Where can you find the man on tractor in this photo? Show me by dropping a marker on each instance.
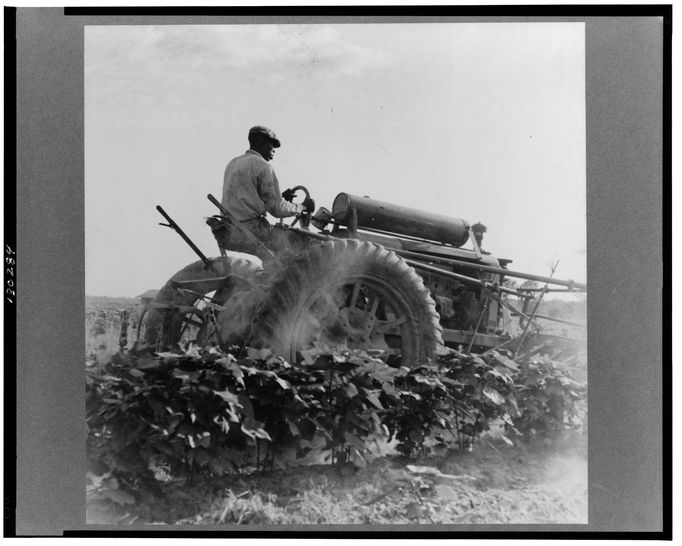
(250, 190)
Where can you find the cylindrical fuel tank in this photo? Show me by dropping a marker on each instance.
(374, 214)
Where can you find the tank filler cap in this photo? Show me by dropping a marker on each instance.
(479, 229)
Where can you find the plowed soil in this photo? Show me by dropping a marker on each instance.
(526, 484)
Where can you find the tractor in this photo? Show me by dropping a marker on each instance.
(386, 279)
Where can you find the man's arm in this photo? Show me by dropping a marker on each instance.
(272, 197)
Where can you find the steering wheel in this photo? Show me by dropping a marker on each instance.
(305, 216)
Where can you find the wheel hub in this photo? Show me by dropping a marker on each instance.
(357, 324)
(354, 328)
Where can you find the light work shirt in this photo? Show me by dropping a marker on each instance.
(250, 189)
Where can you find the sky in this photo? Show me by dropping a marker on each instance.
(481, 121)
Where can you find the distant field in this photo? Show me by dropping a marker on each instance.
(569, 310)
(103, 324)
(104, 302)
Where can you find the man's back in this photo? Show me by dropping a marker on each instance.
(251, 189)
(243, 178)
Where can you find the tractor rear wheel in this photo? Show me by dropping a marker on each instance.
(180, 312)
(349, 294)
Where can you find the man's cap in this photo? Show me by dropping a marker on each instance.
(264, 131)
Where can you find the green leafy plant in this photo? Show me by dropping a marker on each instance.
(158, 422)
(549, 399)
(460, 393)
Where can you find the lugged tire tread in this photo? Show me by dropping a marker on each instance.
(319, 261)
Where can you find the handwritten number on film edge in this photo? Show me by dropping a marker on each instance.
(10, 262)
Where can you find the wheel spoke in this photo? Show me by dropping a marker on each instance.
(193, 322)
(190, 321)
(311, 319)
(386, 325)
(375, 304)
(326, 301)
(356, 293)
(214, 301)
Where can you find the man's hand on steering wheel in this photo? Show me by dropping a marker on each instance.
(288, 195)
(309, 205)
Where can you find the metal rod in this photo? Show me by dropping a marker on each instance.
(492, 269)
(308, 233)
(514, 311)
(554, 319)
(532, 315)
(458, 276)
(474, 243)
(480, 319)
(239, 226)
(553, 290)
(444, 272)
(171, 224)
(139, 323)
(499, 346)
(195, 281)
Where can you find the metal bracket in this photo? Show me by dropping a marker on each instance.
(474, 242)
(353, 224)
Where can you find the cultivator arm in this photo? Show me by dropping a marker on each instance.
(493, 291)
(568, 285)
